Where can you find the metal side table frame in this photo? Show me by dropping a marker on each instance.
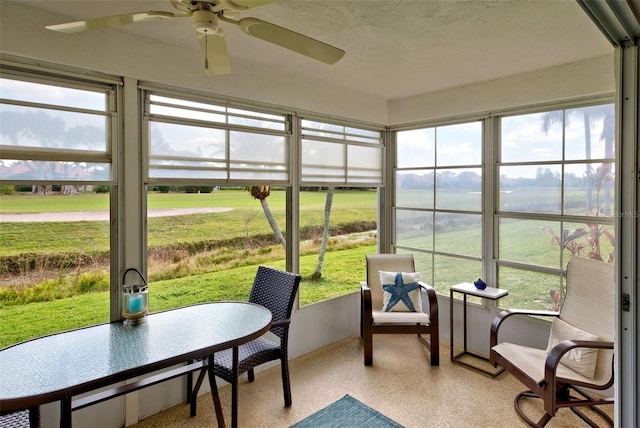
(468, 289)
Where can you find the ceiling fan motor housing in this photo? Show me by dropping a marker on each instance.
(204, 21)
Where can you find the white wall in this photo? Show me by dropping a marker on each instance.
(586, 79)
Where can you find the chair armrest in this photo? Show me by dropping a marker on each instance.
(433, 302)
(555, 355)
(557, 352)
(281, 323)
(502, 316)
(365, 296)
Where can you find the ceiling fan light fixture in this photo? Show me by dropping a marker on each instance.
(205, 22)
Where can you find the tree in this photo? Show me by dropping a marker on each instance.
(590, 115)
(262, 193)
(325, 234)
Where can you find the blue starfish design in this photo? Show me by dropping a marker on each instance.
(400, 291)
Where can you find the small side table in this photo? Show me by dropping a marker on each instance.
(466, 289)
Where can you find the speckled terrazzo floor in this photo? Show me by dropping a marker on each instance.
(401, 384)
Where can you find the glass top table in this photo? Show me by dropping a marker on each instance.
(60, 366)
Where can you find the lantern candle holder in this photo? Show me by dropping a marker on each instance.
(135, 300)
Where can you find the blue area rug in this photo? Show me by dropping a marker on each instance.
(347, 412)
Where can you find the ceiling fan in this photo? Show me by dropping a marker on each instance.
(205, 16)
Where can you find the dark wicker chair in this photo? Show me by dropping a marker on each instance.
(21, 418)
(375, 321)
(275, 290)
(587, 324)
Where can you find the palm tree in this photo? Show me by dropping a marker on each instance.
(262, 193)
(325, 234)
(589, 115)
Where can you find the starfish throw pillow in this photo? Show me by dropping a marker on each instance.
(401, 291)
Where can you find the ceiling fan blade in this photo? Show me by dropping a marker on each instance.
(112, 21)
(213, 48)
(250, 4)
(291, 40)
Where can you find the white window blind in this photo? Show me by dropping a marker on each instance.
(340, 155)
(202, 141)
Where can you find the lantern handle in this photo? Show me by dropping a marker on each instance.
(137, 271)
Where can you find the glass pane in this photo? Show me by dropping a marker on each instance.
(414, 189)
(351, 234)
(423, 263)
(321, 153)
(54, 242)
(452, 270)
(414, 229)
(257, 148)
(205, 243)
(44, 170)
(530, 290)
(187, 113)
(373, 135)
(365, 164)
(266, 116)
(54, 95)
(169, 140)
(459, 189)
(589, 189)
(38, 127)
(535, 242)
(590, 132)
(258, 175)
(255, 119)
(458, 234)
(459, 144)
(530, 188)
(187, 109)
(416, 148)
(591, 240)
(178, 172)
(531, 137)
(364, 157)
(309, 124)
(185, 103)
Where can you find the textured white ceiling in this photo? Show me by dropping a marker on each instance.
(395, 48)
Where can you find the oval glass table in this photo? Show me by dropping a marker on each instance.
(63, 365)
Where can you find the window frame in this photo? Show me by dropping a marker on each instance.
(491, 212)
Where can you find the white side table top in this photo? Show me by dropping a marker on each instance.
(488, 293)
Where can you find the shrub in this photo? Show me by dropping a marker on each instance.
(101, 189)
(6, 189)
(92, 282)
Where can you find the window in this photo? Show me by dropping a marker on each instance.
(556, 199)
(217, 181)
(56, 139)
(202, 141)
(341, 170)
(217, 205)
(438, 201)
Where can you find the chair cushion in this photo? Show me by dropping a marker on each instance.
(531, 362)
(401, 291)
(580, 360)
(381, 317)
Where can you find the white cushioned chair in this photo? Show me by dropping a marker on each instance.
(375, 320)
(579, 354)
